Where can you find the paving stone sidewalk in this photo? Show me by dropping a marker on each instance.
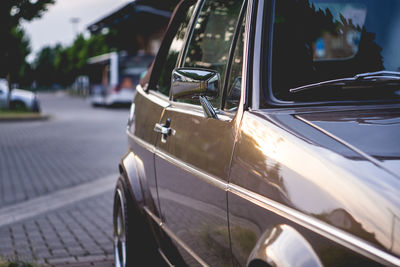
(76, 146)
(98, 261)
(80, 233)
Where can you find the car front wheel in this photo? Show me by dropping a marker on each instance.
(134, 245)
(120, 226)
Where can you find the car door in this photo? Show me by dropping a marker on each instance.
(150, 101)
(193, 156)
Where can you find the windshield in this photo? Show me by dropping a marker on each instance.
(321, 40)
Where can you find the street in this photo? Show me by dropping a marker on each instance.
(56, 183)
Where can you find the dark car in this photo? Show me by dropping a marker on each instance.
(267, 133)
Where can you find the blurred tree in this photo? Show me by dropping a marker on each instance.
(14, 46)
(44, 71)
(60, 65)
(19, 49)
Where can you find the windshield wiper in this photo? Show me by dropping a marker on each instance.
(375, 77)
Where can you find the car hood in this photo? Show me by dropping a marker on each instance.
(373, 134)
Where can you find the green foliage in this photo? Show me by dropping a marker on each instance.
(13, 11)
(15, 263)
(44, 65)
(61, 65)
(19, 49)
(14, 45)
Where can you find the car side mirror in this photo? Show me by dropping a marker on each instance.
(190, 83)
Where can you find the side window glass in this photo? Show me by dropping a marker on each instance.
(164, 82)
(235, 76)
(212, 36)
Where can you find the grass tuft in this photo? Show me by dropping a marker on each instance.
(16, 263)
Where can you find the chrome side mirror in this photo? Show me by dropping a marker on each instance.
(190, 82)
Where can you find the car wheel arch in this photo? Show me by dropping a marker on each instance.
(282, 245)
(258, 263)
(131, 169)
(18, 103)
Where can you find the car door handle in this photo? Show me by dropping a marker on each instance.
(161, 128)
(164, 129)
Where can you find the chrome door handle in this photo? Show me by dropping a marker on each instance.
(164, 129)
(160, 128)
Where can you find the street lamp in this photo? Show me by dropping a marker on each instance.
(75, 22)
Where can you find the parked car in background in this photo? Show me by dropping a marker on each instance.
(19, 100)
(266, 134)
(114, 77)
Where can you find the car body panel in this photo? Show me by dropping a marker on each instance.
(297, 184)
(121, 97)
(284, 246)
(28, 98)
(196, 209)
(142, 137)
(271, 162)
(252, 221)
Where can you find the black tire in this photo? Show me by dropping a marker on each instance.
(36, 106)
(133, 243)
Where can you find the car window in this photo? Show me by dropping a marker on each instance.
(235, 76)
(164, 82)
(211, 39)
(316, 41)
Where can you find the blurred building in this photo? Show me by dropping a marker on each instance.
(137, 26)
(136, 31)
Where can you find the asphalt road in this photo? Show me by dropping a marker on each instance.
(56, 183)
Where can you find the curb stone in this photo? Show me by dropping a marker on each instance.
(41, 117)
(93, 260)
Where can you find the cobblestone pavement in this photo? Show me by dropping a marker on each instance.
(76, 146)
(66, 236)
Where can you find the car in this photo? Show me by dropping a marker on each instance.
(114, 77)
(266, 133)
(19, 99)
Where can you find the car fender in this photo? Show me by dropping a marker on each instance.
(19, 98)
(282, 245)
(26, 97)
(132, 169)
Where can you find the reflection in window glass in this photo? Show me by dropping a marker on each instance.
(164, 83)
(344, 39)
(132, 68)
(212, 37)
(322, 40)
(235, 77)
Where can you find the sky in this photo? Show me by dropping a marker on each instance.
(55, 25)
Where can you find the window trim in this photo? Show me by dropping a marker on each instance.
(166, 43)
(243, 15)
(232, 49)
(189, 34)
(263, 83)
